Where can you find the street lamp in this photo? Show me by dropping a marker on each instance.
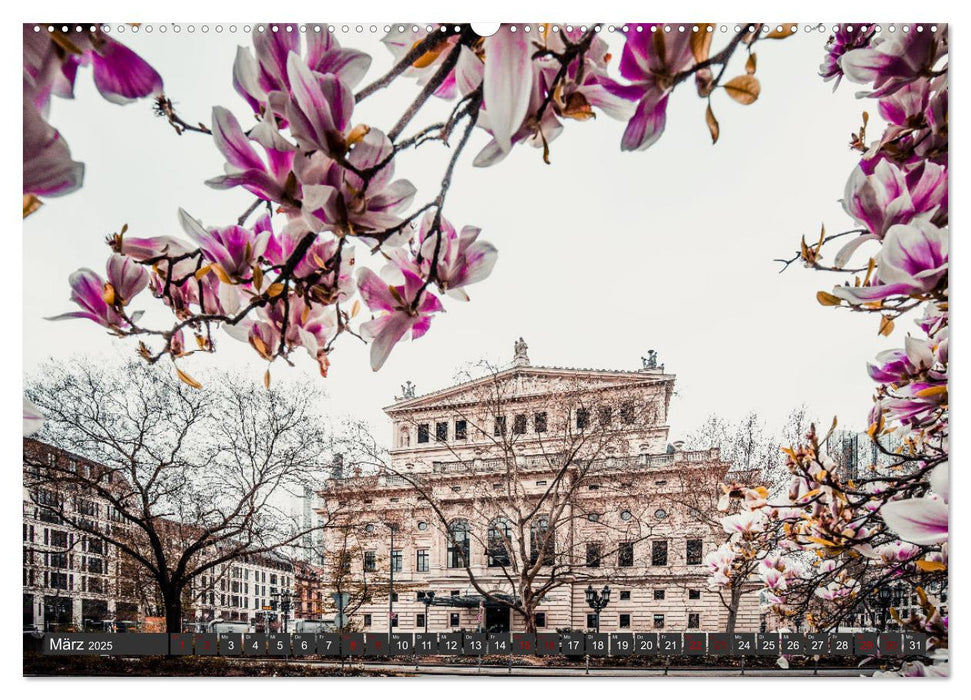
(884, 597)
(426, 597)
(598, 601)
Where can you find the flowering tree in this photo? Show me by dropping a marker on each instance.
(835, 538)
(282, 277)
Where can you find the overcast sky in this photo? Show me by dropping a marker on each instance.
(603, 254)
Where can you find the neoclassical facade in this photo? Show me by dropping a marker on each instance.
(528, 479)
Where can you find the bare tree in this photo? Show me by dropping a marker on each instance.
(193, 478)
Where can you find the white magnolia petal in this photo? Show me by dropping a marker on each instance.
(508, 79)
(917, 520)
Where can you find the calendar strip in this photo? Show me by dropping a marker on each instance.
(567, 644)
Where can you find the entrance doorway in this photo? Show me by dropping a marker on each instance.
(497, 618)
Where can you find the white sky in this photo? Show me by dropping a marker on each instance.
(603, 254)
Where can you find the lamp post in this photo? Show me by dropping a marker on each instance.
(427, 597)
(884, 596)
(598, 601)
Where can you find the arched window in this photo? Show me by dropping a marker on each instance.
(542, 538)
(458, 544)
(500, 532)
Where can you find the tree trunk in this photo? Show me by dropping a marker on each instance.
(733, 609)
(172, 599)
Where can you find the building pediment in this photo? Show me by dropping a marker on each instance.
(520, 382)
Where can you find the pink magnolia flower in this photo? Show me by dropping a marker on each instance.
(583, 88)
(744, 523)
(319, 109)
(142, 249)
(233, 248)
(912, 260)
(900, 366)
(310, 326)
(48, 167)
(407, 308)
(101, 300)
(890, 196)
(245, 168)
(258, 78)
(893, 60)
(119, 73)
(339, 200)
(507, 82)
(918, 520)
(846, 38)
(461, 258)
(50, 67)
(651, 61)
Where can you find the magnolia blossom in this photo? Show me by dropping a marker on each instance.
(744, 523)
(652, 61)
(51, 62)
(264, 80)
(405, 308)
(233, 248)
(922, 520)
(458, 258)
(888, 196)
(101, 300)
(337, 199)
(574, 93)
(295, 323)
(912, 260)
(845, 38)
(720, 562)
(893, 60)
(265, 178)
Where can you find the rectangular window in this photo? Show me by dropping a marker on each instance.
(370, 561)
(658, 594)
(59, 560)
(583, 418)
(659, 553)
(367, 619)
(396, 560)
(625, 621)
(441, 431)
(58, 538)
(420, 620)
(453, 620)
(625, 595)
(658, 622)
(461, 430)
(421, 560)
(694, 621)
(593, 554)
(423, 432)
(540, 618)
(625, 554)
(694, 595)
(693, 552)
(58, 580)
(519, 424)
(500, 426)
(627, 412)
(604, 414)
(539, 422)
